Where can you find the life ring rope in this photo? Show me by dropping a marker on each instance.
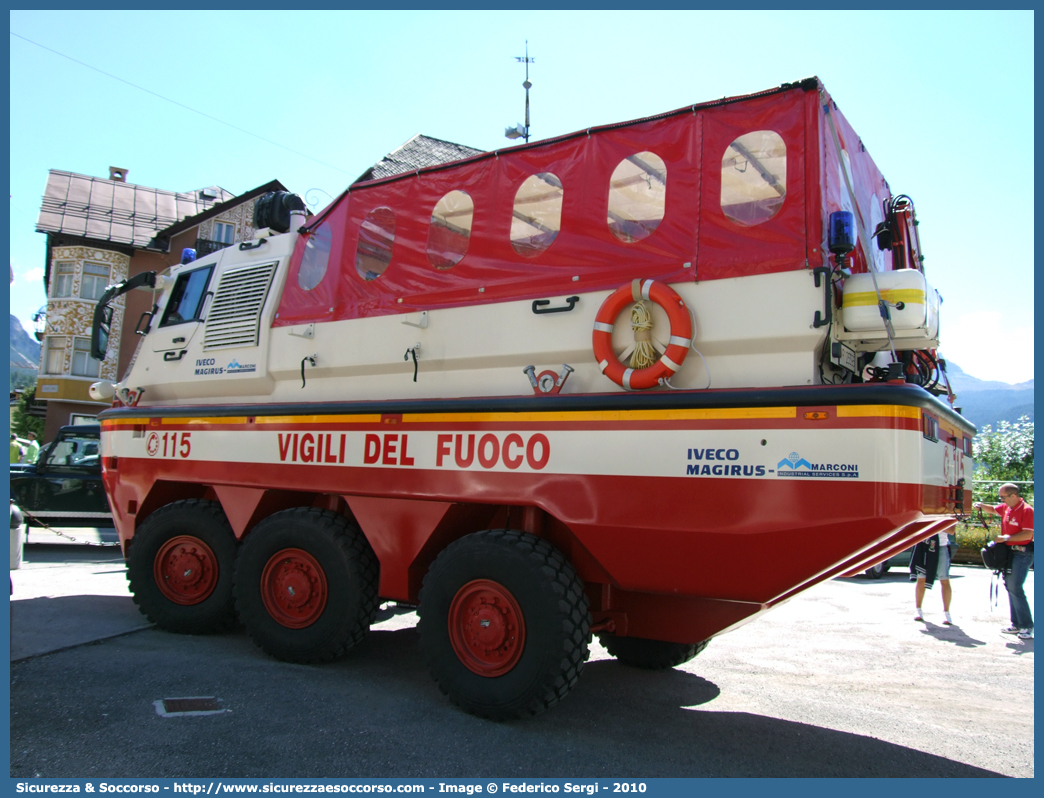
(644, 354)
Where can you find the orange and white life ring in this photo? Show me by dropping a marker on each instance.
(677, 347)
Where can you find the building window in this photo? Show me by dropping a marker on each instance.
(376, 242)
(450, 230)
(225, 233)
(754, 177)
(637, 196)
(54, 359)
(83, 365)
(537, 215)
(95, 280)
(63, 280)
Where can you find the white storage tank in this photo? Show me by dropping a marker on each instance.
(913, 303)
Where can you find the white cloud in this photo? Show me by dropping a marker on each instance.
(33, 275)
(987, 345)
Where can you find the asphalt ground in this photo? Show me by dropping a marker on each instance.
(840, 681)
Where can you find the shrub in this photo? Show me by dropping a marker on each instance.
(971, 535)
(1003, 455)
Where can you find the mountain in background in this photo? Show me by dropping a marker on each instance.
(989, 401)
(25, 354)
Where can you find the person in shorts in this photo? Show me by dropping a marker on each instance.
(931, 561)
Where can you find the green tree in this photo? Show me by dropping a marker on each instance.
(21, 422)
(1005, 454)
(22, 379)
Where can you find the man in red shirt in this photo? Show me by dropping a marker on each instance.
(1017, 533)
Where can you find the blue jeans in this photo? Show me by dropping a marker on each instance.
(1014, 582)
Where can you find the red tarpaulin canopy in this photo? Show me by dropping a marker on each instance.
(736, 187)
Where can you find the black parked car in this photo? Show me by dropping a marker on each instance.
(64, 486)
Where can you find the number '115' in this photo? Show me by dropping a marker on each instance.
(176, 449)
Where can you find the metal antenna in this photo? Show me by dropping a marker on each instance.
(520, 131)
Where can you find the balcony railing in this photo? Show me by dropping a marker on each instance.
(205, 246)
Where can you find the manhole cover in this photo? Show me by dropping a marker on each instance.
(197, 705)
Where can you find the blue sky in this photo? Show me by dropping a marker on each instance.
(942, 100)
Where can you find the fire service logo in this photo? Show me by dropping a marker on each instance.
(152, 444)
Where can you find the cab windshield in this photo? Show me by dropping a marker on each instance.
(186, 299)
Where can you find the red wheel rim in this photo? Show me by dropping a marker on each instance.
(486, 628)
(185, 570)
(293, 588)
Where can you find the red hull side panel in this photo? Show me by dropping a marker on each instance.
(646, 534)
(716, 514)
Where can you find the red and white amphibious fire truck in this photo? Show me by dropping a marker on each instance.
(647, 380)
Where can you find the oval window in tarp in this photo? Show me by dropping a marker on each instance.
(537, 214)
(376, 239)
(637, 195)
(450, 230)
(754, 177)
(316, 257)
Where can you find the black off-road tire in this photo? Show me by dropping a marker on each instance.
(206, 535)
(552, 604)
(322, 540)
(652, 655)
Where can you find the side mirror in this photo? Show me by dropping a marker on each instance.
(100, 331)
(103, 312)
